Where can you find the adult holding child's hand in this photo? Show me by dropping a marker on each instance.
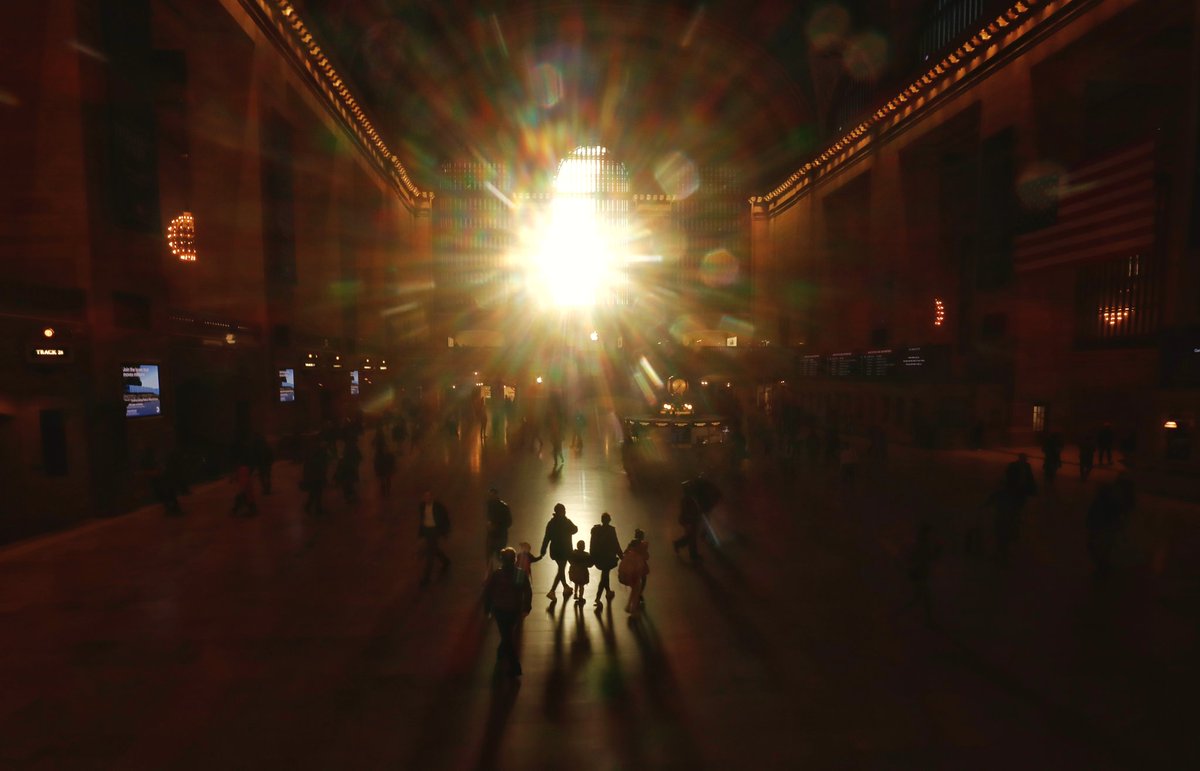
(558, 537)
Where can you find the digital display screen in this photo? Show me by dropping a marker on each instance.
(810, 365)
(142, 392)
(354, 382)
(287, 385)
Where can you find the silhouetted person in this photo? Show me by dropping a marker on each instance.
(313, 479)
(505, 596)
(525, 560)
(634, 570)
(556, 442)
(1087, 457)
(243, 501)
(263, 459)
(399, 433)
(346, 473)
(558, 537)
(1104, 444)
(689, 518)
(581, 575)
(577, 432)
(1052, 457)
(925, 552)
(385, 467)
(163, 483)
(605, 549)
(1009, 501)
(434, 525)
(1103, 521)
(499, 520)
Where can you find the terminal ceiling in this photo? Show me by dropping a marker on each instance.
(525, 81)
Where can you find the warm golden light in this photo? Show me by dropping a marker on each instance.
(1170, 424)
(575, 255)
(181, 237)
(48, 332)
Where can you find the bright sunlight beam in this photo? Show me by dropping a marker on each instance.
(576, 254)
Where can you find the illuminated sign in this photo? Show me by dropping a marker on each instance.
(48, 352)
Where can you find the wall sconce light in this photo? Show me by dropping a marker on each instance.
(181, 237)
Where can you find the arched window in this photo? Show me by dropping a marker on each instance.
(580, 254)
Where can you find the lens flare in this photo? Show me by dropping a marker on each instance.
(827, 27)
(865, 57)
(677, 175)
(546, 84)
(719, 268)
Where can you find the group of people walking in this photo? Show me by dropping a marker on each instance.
(508, 590)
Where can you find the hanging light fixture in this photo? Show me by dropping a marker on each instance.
(181, 237)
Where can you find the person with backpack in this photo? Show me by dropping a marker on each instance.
(606, 552)
(635, 568)
(505, 596)
(499, 520)
(558, 537)
(435, 524)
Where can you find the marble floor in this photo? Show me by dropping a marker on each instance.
(288, 641)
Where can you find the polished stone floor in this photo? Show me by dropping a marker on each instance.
(284, 641)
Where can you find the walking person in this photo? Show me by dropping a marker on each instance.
(1103, 521)
(499, 520)
(925, 552)
(505, 597)
(1009, 500)
(1052, 457)
(581, 575)
(264, 460)
(525, 560)
(313, 479)
(605, 549)
(243, 501)
(634, 570)
(435, 525)
(346, 474)
(558, 537)
(556, 441)
(1087, 457)
(689, 518)
(385, 466)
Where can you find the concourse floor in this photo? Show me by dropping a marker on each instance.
(290, 641)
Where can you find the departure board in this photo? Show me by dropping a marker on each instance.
(840, 364)
(877, 363)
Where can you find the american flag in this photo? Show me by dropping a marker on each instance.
(1105, 209)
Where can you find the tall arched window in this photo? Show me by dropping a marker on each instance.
(581, 249)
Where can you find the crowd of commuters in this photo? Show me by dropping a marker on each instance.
(336, 457)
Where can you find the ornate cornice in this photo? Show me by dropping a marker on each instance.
(1003, 32)
(280, 21)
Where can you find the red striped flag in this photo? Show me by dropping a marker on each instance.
(1105, 209)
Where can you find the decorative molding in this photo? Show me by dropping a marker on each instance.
(280, 21)
(1002, 33)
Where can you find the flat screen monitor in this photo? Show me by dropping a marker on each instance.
(287, 385)
(142, 393)
(354, 382)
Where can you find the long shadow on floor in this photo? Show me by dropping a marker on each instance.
(668, 723)
(504, 696)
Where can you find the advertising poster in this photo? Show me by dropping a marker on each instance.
(141, 390)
